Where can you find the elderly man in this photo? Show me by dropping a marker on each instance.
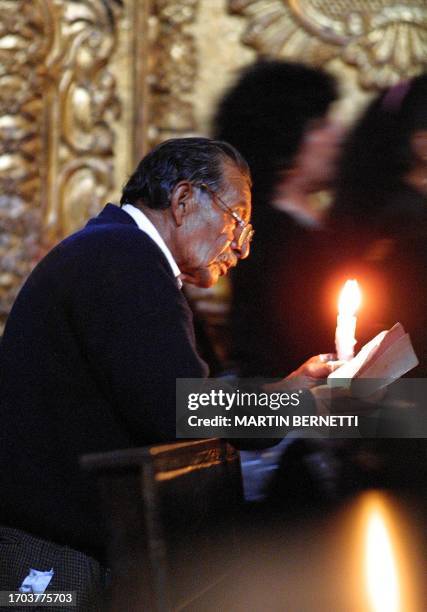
(101, 330)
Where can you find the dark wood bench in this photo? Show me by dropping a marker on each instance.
(170, 512)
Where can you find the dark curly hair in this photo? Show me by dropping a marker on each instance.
(265, 113)
(378, 154)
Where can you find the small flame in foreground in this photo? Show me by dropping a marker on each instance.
(350, 298)
(380, 565)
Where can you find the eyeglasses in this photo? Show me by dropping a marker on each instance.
(246, 230)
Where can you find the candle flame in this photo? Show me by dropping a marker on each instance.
(350, 298)
(380, 566)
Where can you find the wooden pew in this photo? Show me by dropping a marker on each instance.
(170, 512)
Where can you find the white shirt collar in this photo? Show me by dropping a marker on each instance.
(145, 225)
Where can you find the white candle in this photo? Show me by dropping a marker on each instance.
(348, 304)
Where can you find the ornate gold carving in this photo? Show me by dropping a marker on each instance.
(386, 40)
(57, 103)
(172, 70)
(24, 46)
(82, 104)
(388, 45)
(64, 146)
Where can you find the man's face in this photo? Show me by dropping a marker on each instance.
(207, 239)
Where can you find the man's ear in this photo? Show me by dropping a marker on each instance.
(181, 199)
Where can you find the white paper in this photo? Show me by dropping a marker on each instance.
(36, 581)
(380, 362)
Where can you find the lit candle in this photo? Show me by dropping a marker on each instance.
(348, 304)
(387, 547)
(379, 558)
(380, 566)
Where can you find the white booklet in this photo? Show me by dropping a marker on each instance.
(380, 362)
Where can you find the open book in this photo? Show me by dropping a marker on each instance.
(380, 362)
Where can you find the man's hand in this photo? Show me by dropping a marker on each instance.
(311, 372)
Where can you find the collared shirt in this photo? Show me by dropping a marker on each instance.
(145, 225)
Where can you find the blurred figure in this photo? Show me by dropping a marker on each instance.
(277, 116)
(380, 213)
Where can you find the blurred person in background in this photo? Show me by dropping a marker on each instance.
(379, 216)
(276, 114)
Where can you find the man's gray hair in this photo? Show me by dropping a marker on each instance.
(199, 160)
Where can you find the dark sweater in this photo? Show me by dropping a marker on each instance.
(90, 354)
